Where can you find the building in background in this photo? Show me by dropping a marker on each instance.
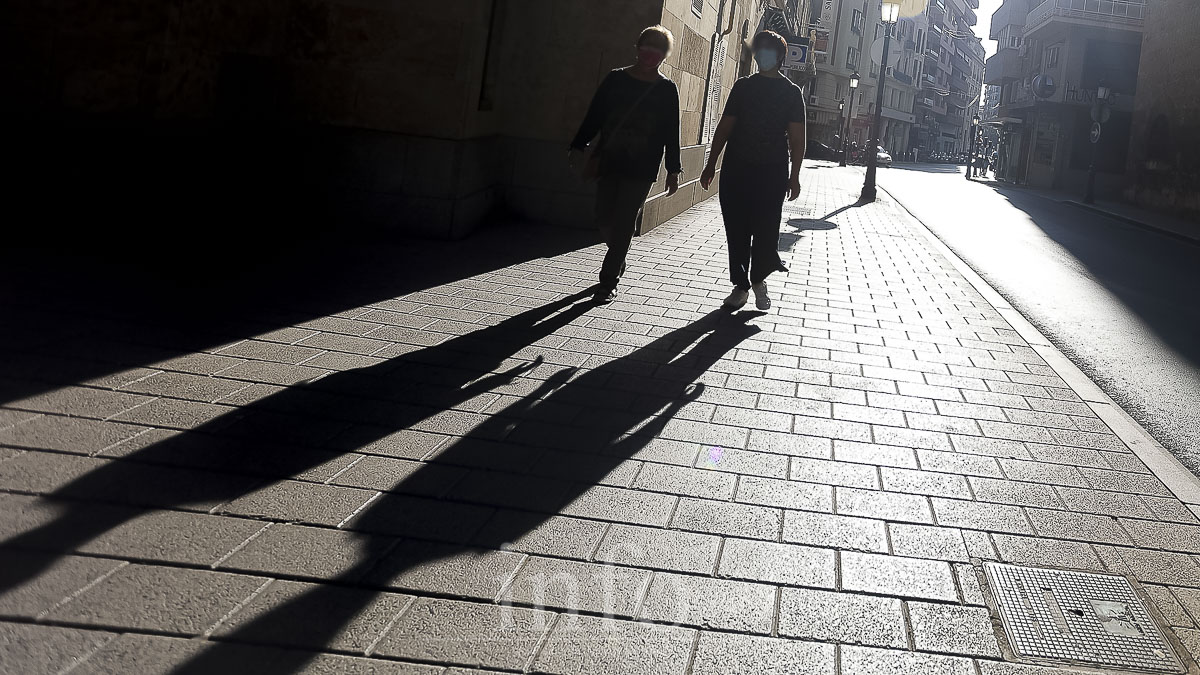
(842, 31)
(1051, 58)
(1164, 146)
(422, 117)
(951, 80)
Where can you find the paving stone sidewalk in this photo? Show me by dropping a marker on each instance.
(494, 474)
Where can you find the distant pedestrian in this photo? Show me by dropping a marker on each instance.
(635, 112)
(763, 120)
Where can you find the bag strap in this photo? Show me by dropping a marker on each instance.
(625, 117)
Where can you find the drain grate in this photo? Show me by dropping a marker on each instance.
(1078, 617)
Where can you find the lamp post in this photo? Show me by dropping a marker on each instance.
(971, 153)
(849, 112)
(1099, 117)
(890, 11)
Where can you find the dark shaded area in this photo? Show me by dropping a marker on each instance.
(599, 417)
(128, 262)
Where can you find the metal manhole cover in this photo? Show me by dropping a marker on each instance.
(1079, 617)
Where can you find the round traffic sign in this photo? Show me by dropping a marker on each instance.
(894, 52)
(1095, 132)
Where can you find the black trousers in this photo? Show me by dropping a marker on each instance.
(619, 202)
(752, 207)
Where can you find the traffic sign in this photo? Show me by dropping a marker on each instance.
(1095, 132)
(894, 52)
(797, 56)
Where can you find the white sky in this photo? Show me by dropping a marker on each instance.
(986, 7)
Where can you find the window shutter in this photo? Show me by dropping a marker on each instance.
(698, 7)
(712, 113)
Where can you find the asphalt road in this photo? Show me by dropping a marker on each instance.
(1122, 302)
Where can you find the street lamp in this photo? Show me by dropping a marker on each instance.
(849, 112)
(890, 12)
(1099, 117)
(971, 153)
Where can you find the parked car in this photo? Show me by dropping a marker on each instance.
(817, 150)
(882, 158)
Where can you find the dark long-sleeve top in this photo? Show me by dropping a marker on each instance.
(633, 140)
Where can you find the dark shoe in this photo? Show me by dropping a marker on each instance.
(604, 295)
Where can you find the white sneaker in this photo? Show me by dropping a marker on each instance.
(761, 299)
(736, 299)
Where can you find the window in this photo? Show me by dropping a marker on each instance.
(856, 22)
(1051, 57)
(1014, 41)
(877, 27)
(874, 70)
(851, 57)
(698, 7)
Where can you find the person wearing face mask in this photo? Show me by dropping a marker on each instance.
(763, 122)
(635, 112)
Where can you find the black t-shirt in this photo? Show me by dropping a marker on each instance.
(637, 121)
(763, 106)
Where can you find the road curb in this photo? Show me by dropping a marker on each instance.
(1178, 479)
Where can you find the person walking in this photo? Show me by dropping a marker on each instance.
(635, 112)
(763, 120)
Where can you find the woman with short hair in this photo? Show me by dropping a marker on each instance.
(762, 123)
(635, 111)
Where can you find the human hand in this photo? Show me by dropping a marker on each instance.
(793, 188)
(707, 176)
(672, 183)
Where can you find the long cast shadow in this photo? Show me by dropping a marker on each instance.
(598, 446)
(350, 410)
(291, 432)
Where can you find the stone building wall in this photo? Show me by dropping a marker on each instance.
(408, 115)
(1164, 149)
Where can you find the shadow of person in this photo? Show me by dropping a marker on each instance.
(288, 433)
(594, 446)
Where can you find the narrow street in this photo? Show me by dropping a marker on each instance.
(1119, 300)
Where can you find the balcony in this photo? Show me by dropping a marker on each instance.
(910, 45)
(970, 17)
(973, 4)
(933, 54)
(901, 77)
(1011, 13)
(935, 9)
(1106, 14)
(1004, 66)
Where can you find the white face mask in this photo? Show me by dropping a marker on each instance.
(767, 59)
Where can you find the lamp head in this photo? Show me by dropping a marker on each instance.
(1103, 92)
(854, 80)
(891, 11)
(975, 121)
